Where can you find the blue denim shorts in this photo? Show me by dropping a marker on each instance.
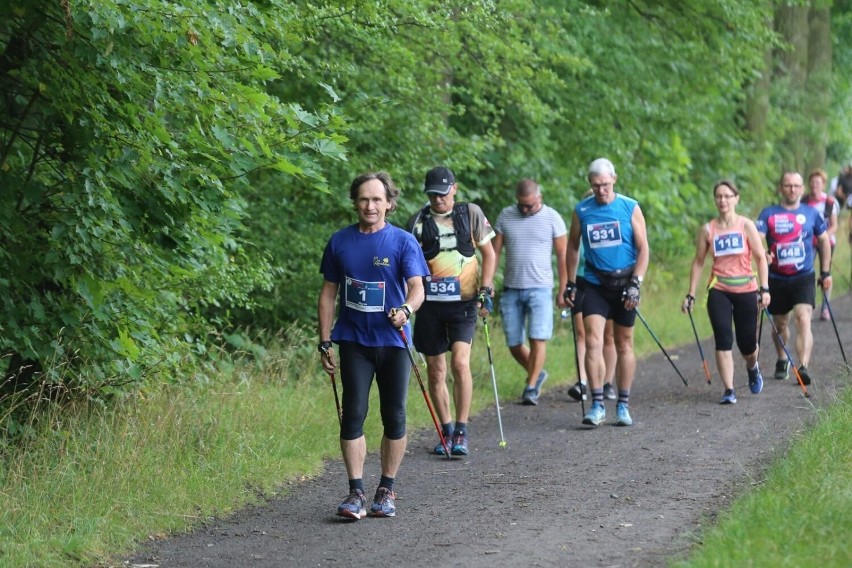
(527, 310)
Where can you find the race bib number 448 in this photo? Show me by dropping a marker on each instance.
(790, 254)
(365, 296)
(606, 234)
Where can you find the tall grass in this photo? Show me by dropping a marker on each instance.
(91, 481)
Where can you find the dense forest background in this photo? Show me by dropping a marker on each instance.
(170, 171)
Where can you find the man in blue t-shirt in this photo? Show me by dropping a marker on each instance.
(374, 272)
(790, 228)
(612, 230)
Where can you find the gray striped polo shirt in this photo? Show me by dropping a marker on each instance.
(528, 244)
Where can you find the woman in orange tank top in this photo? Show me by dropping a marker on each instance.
(733, 295)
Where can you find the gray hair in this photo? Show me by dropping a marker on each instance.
(601, 167)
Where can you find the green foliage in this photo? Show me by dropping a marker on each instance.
(175, 168)
(130, 134)
(510, 90)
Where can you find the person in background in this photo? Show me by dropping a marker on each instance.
(579, 391)
(374, 272)
(531, 232)
(450, 232)
(790, 229)
(829, 210)
(733, 292)
(612, 230)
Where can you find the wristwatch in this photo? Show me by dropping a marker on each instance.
(406, 309)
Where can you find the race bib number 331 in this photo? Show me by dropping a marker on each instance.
(606, 234)
(365, 296)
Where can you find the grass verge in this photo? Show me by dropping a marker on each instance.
(802, 514)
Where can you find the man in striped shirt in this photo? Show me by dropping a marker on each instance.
(531, 232)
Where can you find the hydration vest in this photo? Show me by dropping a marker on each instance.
(430, 237)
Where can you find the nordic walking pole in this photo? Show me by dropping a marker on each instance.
(700, 350)
(423, 390)
(833, 323)
(787, 353)
(334, 386)
(660, 345)
(577, 364)
(493, 380)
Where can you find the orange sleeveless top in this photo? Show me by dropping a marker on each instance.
(732, 271)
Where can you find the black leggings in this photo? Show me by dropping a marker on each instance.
(391, 367)
(742, 307)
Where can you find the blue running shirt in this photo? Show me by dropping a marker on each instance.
(371, 270)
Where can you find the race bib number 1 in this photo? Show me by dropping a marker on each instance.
(447, 289)
(604, 234)
(365, 296)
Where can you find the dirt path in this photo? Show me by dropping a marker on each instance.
(559, 495)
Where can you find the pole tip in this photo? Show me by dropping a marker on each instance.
(503, 444)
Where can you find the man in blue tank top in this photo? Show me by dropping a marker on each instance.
(612, 230)
(374, 272)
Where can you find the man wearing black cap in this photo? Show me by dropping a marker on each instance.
(450, 232)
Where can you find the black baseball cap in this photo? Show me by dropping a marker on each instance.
(439, 180)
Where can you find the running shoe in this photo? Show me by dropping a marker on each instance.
(730, 397)
(459, 445)
(596, 414)
(439, 448)
(354, 506)
(383, 503)
(530, 396)
(609, 392)
(542, 377)
(622, 415)
(755, 380)
(578, 391)
(803, 372)
(825, 315)
(782, 367)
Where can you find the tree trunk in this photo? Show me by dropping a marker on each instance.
(820, 85)
(791, 23)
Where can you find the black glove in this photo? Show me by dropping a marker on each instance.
(485, 299)
(570, 291)
(631, 292)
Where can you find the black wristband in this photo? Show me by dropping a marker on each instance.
(406, 310)
(823, 274)
(762, 290)
(324, 346)
(485, 290)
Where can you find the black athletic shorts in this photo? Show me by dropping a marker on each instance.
(440, 324)
(598, 301)
(786, 293)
